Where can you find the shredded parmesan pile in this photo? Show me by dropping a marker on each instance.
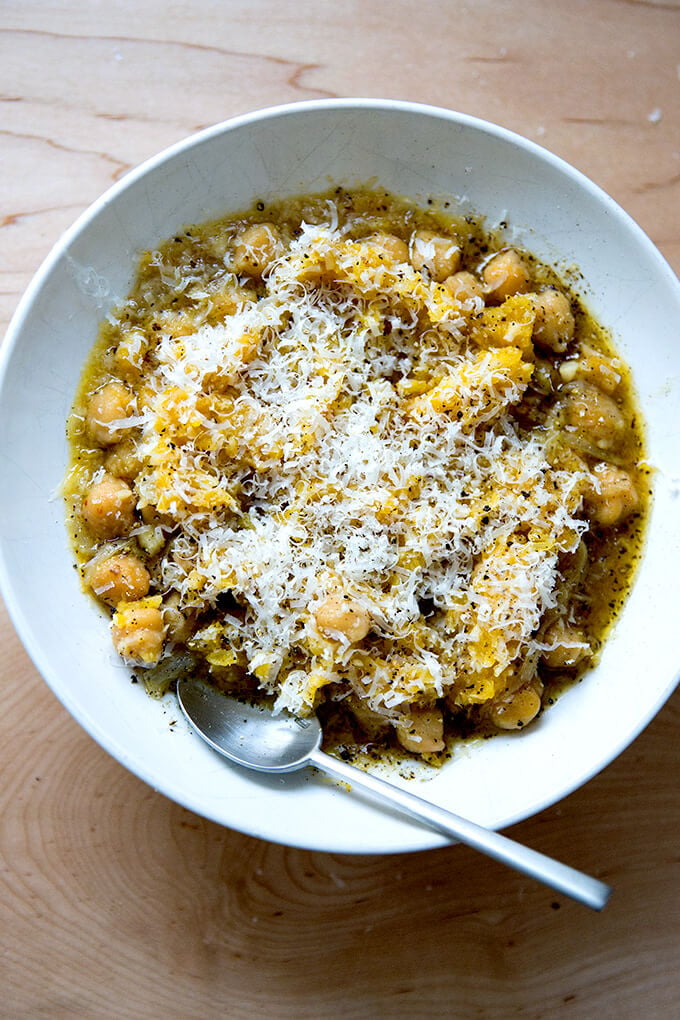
(350, 433)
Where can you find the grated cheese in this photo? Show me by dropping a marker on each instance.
(351, 432)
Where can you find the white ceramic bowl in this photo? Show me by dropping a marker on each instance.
(412, 150)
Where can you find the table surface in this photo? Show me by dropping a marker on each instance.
(115, 902)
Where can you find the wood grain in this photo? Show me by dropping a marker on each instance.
(115, 902)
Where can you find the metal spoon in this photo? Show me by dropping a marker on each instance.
(254, 737)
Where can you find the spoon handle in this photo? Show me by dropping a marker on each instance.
(587, 890)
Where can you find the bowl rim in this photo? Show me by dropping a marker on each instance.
(13, 333)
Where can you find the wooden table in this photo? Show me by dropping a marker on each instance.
(114, 901)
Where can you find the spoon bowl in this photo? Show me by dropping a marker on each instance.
(252, 736)
(247, 734)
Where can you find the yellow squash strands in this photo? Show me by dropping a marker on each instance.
(337, 483)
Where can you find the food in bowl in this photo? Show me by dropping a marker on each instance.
(364, 457)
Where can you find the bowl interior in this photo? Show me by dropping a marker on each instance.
(414, 151)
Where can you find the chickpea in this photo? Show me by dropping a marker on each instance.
(108, 508)
(421, 730)
(341, 614)
(178, 622)
(174, 323)
(138, 630)
(593, 367)
(151, 539)
(504, 275)
(118, 578)
(517, 709)
(129, 354)
(150, 515)
(322, 268)
(603, 372)
(593, 414)
(554, 323)
(106, 409)
(122, 460)
(392, 246)
(612, 497)
(255, 248)
(567, 645)
(438, 254)
(373, 724)
(226, 302)
(464, 286)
